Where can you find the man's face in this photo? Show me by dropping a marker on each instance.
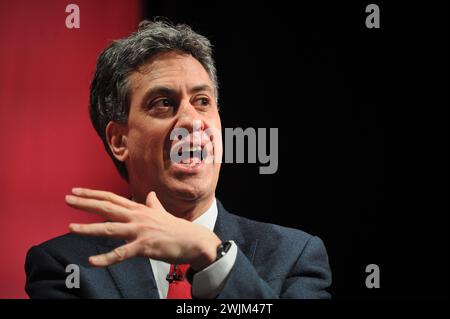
(171, 91)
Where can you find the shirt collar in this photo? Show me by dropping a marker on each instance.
(208, 218)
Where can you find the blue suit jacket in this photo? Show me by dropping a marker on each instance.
(272, 262)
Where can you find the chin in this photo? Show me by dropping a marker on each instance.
(189, 185)
(190, 193)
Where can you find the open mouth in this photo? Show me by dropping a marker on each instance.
(191, 156)
(188, 156)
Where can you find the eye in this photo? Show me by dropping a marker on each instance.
(202, 102)
(161, 107)
(161, 103)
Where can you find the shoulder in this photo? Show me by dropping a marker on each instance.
(269, 231)
(277, 250)
(269, 234)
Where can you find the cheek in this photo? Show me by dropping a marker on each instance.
(146, 143)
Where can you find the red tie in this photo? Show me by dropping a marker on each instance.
(179, 287)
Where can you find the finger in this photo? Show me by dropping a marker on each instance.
(103, 208)
(107, 229)
(118, 254)
(103, 195)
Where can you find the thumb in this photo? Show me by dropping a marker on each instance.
(152, 201)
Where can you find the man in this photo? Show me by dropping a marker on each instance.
(172, 238)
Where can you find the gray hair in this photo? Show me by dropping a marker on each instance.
(110, 91)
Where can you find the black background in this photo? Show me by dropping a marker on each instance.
(362, 118)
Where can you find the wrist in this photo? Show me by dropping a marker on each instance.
(207, 253)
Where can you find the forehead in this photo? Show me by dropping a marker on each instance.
(172, 69)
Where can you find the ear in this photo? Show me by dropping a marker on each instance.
(116, 136)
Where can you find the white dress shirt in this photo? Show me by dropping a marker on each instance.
(209, 282)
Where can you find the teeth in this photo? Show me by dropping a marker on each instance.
(190, 156)
(195, 149)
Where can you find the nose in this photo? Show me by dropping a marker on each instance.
(189, 119)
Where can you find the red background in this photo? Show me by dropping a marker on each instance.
(47, 142)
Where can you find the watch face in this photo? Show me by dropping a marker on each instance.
(223, 249)
(227, 246)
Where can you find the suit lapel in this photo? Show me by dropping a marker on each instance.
(133, 277)
(228, 228)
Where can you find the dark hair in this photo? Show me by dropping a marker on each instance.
(110, 92)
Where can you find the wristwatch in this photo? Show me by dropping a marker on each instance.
(222, 249)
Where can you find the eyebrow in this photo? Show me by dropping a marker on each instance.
(164, 90)
(200, 88)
